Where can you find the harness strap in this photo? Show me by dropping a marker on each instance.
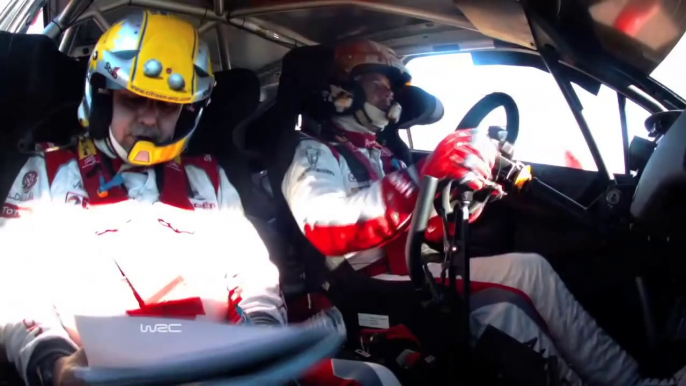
(358, 162)
(175, 186)
(105, 187)
(207, 163)
(96, 174)
(55, 159)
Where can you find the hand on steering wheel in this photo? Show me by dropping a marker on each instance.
(468, 158)
(463, 156)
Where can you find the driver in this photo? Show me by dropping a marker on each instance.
(126, 224)
(358, 219)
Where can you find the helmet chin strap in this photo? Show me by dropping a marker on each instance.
(375, 119)
(112, 148)
(118, 148)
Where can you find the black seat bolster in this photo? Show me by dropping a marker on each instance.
(234, 98)
(40, 89)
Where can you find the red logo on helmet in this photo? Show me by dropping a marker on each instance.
(112, 71)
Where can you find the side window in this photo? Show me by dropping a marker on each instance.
(21, 16)
(636, 117)
(37, 25)
(548, 132)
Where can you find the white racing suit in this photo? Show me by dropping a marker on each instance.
(519, 294)
(175, 244)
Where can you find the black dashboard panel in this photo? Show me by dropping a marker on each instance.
(660, 198)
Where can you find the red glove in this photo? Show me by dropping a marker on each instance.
(464, 156)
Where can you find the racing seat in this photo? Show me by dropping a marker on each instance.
(306, 71)
(234, 101)
(235, 96)
(272, 135)
(41, 88)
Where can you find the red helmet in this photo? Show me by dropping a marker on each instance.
(360, 57)
(364, 56)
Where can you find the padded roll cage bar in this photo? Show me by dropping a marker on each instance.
(217, 18)
(80, 11)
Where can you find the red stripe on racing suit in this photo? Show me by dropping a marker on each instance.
(316, 188)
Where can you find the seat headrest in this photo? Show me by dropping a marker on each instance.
(304, 71)
(419, 107)
(307, 71)
(235, 96)
(41, 89)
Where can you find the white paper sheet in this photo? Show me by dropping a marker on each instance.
(130, 342)
(136, 350)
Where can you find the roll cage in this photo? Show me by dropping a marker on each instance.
(255, 34)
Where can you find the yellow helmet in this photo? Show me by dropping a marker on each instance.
(156, 56)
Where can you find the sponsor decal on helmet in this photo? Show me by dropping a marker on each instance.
(29, 180)
(111, 70)
(151, 94)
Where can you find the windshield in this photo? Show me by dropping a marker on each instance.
(671, 71)
(548, 132)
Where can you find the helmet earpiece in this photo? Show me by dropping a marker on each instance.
(346, 96)
(341, 99)
(394, 112)
(351, 100)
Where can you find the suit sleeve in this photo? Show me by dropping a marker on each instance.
(336, 222)
(31, 333)
(252, 279)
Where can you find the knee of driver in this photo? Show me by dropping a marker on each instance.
(535, 263)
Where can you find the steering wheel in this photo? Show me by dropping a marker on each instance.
(420, 276)
(485, 106)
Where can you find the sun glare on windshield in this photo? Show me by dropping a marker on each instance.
(548, 132)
